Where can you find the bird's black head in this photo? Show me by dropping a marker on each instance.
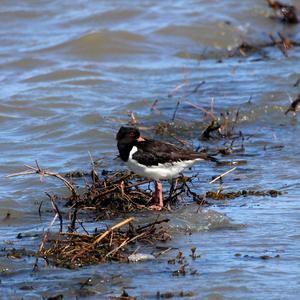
(128, 134)
(127, 137)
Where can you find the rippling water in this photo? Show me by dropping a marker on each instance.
(70, 73)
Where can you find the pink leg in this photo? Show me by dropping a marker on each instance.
(160, 193)
(158, 197)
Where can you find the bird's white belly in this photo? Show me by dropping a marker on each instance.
(161, 171)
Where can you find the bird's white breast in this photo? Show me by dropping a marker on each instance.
(161, 171)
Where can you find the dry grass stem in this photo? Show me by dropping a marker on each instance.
(209, 113)
(222, 175)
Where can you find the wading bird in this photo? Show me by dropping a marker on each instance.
(154, 159)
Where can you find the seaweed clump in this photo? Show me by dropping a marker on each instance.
(220, 195)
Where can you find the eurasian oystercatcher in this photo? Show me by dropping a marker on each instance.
(154, 159)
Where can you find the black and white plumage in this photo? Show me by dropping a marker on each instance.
(154, 159)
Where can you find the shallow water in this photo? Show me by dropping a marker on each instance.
(71, 72)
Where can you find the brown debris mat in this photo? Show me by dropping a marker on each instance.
(73, 250)
(111, 194)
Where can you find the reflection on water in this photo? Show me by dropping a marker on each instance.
(71, 71)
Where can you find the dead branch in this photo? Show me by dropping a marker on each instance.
(43, 173)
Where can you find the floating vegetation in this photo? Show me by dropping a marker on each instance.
(19, 253)
(263, 257)
(220, 195)
(169, 295)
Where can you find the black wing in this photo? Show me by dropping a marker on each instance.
(152, 152)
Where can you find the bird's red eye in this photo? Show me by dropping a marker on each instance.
(131, 134)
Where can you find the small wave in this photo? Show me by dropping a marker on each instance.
(111, 16)
(192, 219)
(60, 75)
(96, 45)
(217, 35)
(27, 63)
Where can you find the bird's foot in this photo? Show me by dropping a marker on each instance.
(155, 207)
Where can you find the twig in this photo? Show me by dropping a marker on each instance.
(201, 108)
(43, 172)
(235, 120)
(286, 43)
(102, 236)
(138, 183)
(77, 234)
(73, 217)
(40, 209)
(177, 88)
(94, 172)
(153, 106)
(41, 246)
(175, 111)
(279, 46)
(133, 121)
(55, 207)
(222, 175)
(107, 232)
(152, 224)
(163, 252)
(127, 241)
(195, 90)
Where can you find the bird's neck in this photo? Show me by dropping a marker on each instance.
(124, 150)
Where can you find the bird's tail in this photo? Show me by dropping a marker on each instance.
(211, 158)
(205, 156)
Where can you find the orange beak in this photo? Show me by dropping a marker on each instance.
(141, 139)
